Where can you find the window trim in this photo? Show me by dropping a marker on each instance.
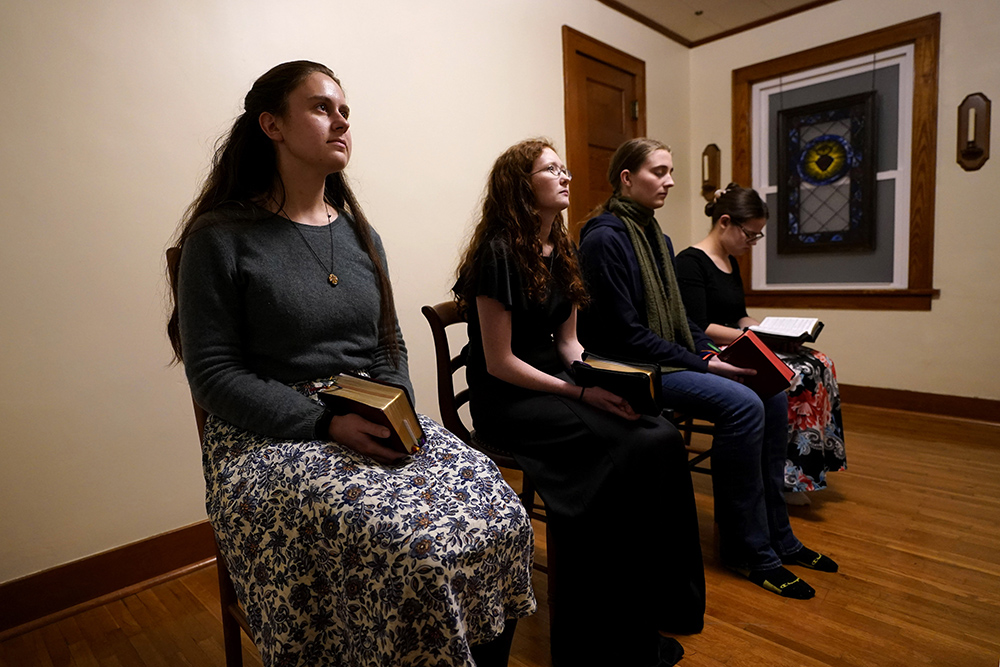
(924, 35)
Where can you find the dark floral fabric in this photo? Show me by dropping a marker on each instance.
(342, 561)
(815, 426)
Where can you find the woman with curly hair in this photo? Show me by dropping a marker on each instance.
(613, 482)
(342, 550)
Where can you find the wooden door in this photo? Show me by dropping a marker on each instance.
(605, 106)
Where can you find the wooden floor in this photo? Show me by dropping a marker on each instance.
(914, 524)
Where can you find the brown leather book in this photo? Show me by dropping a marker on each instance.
(380, 403)
(748, 351)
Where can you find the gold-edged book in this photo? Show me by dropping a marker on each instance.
(378, 402)
(637, 383)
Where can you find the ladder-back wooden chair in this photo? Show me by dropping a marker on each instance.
(234, 619)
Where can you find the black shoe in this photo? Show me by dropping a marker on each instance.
(780, 581)
(670, 652)
(811, 559)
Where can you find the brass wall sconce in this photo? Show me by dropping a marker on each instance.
(974, 131)
(711, 168)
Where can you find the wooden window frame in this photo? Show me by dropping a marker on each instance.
(924, 33)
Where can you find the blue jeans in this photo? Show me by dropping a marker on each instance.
(748, 461)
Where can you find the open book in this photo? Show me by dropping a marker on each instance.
(378, 402)
(637, 383)
(785, 334)
(748, 351)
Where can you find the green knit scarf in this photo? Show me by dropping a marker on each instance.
(665, 314)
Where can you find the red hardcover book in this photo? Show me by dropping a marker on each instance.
(748, 351)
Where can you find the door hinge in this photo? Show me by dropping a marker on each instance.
(635, 109)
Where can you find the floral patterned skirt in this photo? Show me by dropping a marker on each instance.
(815, 426)
(342, 561)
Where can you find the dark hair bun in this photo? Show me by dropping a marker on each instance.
(740, 204)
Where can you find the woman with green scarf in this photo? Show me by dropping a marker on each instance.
(636, 312)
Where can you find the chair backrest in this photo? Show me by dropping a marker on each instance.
(173, 257)
(440, 317)
(234, 619)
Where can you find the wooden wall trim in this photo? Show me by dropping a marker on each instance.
(896, 299)
(759, 22)
(646, 21)
(52, 591)
(684, 41)
(962, 407)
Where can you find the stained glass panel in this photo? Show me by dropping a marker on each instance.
(826, 176)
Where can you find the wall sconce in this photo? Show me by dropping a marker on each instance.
(711, 166)
(974, 131)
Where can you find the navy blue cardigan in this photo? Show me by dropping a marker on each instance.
(614, 323)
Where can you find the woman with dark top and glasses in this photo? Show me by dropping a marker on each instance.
(342, 550)
(624, 549)
(710, 283)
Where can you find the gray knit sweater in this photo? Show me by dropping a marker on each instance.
(257, 314)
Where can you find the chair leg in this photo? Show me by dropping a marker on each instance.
(231, 632)
(550, 551)
(527, 494)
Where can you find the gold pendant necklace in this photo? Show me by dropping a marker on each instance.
(331, 277)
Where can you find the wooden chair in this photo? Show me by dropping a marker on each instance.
(234, 619)
(687, 425)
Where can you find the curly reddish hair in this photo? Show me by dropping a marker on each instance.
(509, 213)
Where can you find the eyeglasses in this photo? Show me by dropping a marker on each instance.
(558, 172)
(751, 236)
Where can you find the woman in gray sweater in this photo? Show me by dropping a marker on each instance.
(343, 551)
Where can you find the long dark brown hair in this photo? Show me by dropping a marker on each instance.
(245, 172)
(509, 213)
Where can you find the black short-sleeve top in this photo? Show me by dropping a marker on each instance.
(532, 323)
(711, 296)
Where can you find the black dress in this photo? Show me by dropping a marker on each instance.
(617, 493)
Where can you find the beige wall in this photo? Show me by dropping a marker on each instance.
(109, 111)
(949, 349)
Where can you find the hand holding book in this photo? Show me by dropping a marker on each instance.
(787, 334)
(637, 383)
(365, 437)
(772, 375)
(369, 411)
(728, 370)
(602, 399)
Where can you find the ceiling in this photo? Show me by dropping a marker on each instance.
(695, 22)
